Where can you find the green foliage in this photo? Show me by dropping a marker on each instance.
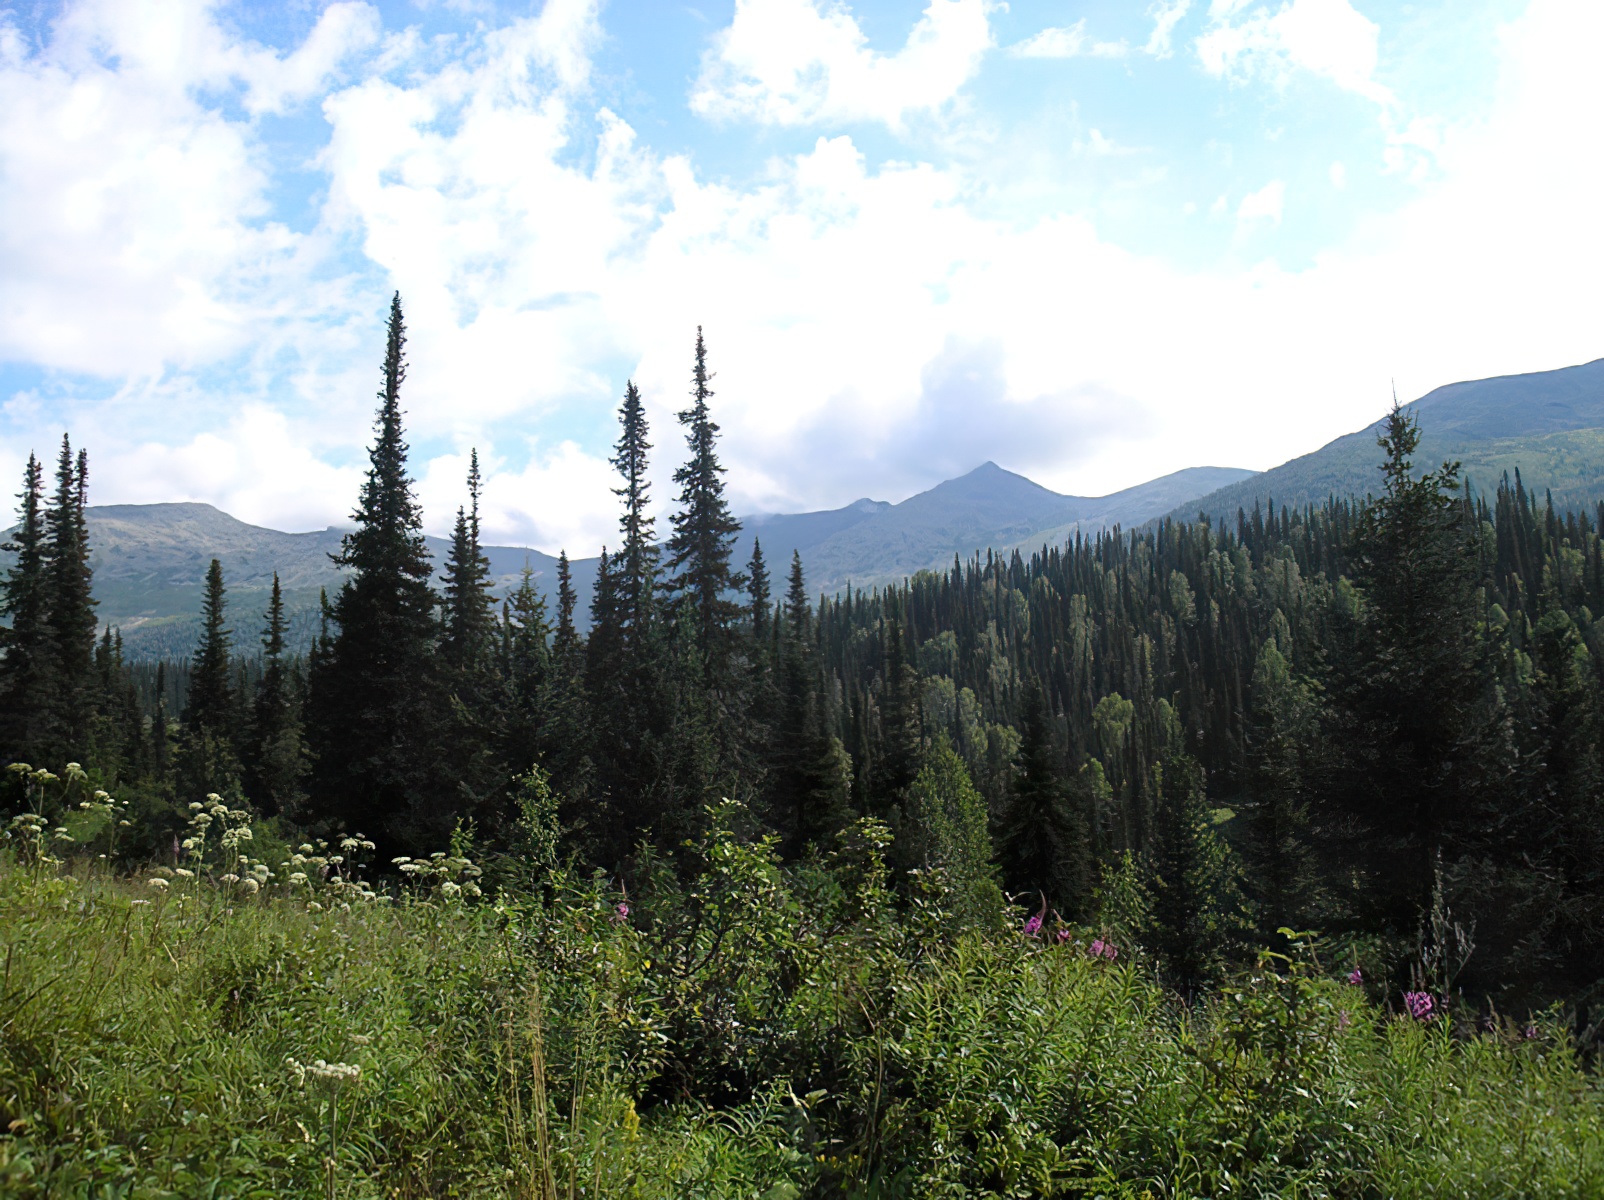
(237, 1028)
(944, 828)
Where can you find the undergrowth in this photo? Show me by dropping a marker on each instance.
(230, 1027)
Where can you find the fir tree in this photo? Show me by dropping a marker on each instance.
(1414, 706)
(1196, 914)
(704, 532)
(566, 644)
(635, 565)
(71, 610)
(211, 696)
(373, 696)
(278, 752)
(1046, 853)
(757, 594)
(469, 612)
(26, 669)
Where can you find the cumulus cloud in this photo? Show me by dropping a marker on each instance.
(130, 190)
(802, 62)
(1069, 41)
(1329, 38)
(873, 329)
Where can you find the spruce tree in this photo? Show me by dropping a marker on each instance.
(1046, 844)
(635, 566)
(27, 666)
(757, 595)
(566, 643)
(278, 752)
(1414, 707)
(1193, 880)
(807, 789)
(211, 695)
(71, 610)
(469, 622)
(373, 696)
(704, 533)
(1280, 741)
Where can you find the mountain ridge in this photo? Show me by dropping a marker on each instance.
(1547, 424)
(150, 560)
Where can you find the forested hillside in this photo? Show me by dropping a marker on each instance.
(1344, 757)
(1546, 425)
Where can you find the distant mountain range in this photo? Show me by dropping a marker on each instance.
(150, 560)
(1549, 425)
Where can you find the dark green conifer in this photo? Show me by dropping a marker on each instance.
(278, 753)
(465, 642)
(704, 532)
(27, 666)
(211, 694)
(71, 610)
(373, 698)
(1046, 844)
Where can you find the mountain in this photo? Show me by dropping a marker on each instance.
(150, 564)
(150, 560)
(1549, 425)
(989, 508)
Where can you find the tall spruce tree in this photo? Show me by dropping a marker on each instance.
(69, 705)
(1415, 707)
(26, 668)
(469, 625)
(757, 595)
(704, 533)
(211, 694)
(373, 698)
(1046, 843)
(278, 748)
(208, 760)
(635, 566)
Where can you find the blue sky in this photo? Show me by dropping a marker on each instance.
(1093, 241)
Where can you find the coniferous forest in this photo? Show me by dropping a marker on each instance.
(1265, 859)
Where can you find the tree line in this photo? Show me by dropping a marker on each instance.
(1380, 719)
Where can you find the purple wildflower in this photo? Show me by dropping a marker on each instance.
(620, 913)
(1422, 1006)
(1033, 926)
(1531, 1032)
(1356, 977)
(1063, 936)
(1102, 949)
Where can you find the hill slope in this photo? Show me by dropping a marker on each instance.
(1547, 424)
(150, 560)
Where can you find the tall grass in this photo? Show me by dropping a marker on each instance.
(751, 1033)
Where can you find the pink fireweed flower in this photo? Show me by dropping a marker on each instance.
(1422, 1006)
(1356, 977)
(1063, 936)
(1033, 926)
(620, 913)
(1102, 949)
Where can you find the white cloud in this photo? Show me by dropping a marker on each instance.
(139, 231)
(1325, 37)
(1067, 42)
(1166, 14)
(1339, 176)
(1262, 205)
(804, 62)
(259, 467)
(872, 329)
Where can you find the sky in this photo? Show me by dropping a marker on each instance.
(1094, 241)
